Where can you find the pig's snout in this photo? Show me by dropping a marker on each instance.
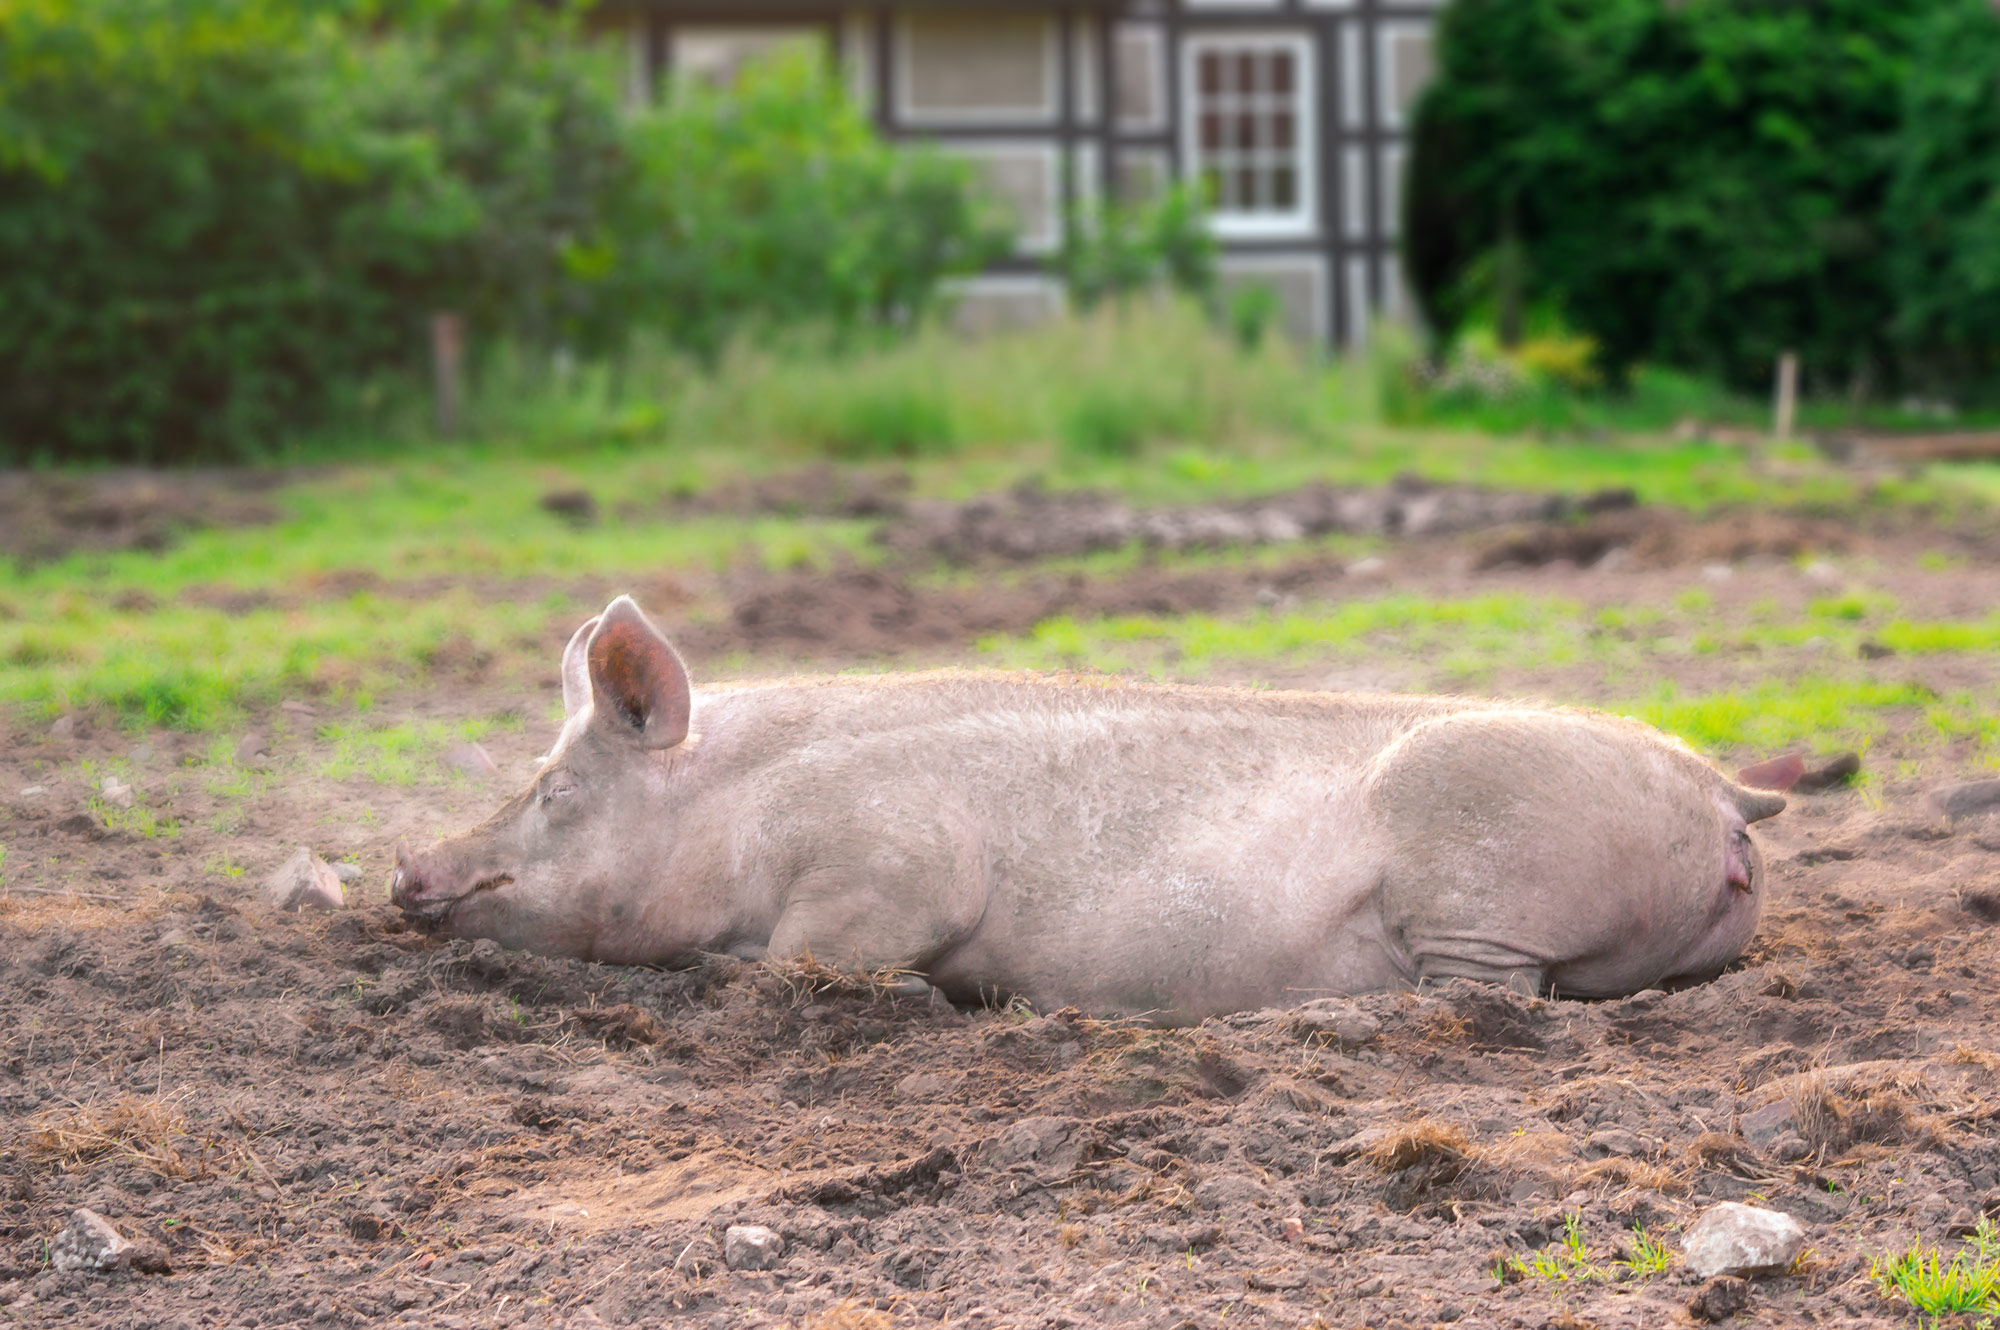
(407, 890)
(427, 891)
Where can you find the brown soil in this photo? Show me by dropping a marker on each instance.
(339, 1121)
(45, 515)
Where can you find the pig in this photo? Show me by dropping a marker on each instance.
(1127, 848)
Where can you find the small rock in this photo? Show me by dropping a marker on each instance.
(31, 791)
(373, 1224)
(82, 824)
(88, 1243)
(1968, 800)
(1819, 570)
(472, 761)
(751, 1247)
(1295, 1229)
(116, 792)
(1340, 1019)
(250, 748)
(1719, 1299)
(304, 882)
(1368, 567)
(174, 937)
(348, 873)
(1829, 775)
(1766, 1124)
(63, 730)
(1618, 1141)
(920, 1085)
(1778, 773)
(1735, 1239)
(1717, 572)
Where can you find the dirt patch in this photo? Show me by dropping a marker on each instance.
(344, 1120)
(45, 515)
(873, 612)
(339, 1121)
(1030, 523)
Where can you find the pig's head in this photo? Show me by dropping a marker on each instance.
(558, 868)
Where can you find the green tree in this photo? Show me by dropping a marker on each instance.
(1701, 184)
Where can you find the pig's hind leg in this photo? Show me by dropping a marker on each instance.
(1510, 840)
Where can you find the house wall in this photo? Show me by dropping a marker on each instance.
(1297, 110)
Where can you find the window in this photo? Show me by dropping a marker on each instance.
(978, 66)
(1249, 133)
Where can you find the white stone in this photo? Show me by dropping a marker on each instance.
(116, 792)
(1717, 572)
(1733, 1239)
(349, 874)
(88, 1242)
(30, 791)
(751, 1247)
(304, 882)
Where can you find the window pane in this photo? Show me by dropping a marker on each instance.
(1246, 133)
(1211, 132)
(1285, 189)
(1281, 72)
(1246, 71)
(1281, 131)
(1211, 73)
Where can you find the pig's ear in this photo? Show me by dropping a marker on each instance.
(576, 668)
(637, 683)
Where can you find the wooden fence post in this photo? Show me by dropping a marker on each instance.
(447, 365)
(1787, 404)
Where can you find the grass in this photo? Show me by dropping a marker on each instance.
(1568, 1259)
(1934, 1286)
(433, 563)
(408, 753)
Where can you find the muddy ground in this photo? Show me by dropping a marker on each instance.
(336, 1120)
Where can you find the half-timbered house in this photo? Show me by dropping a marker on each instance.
(1292, 113)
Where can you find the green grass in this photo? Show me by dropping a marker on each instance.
(1801, 701)
(1471, 630)
(1567, 1260)
(1968, 1282)
(409, 753)
(430, 559)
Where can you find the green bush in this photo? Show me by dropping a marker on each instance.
(224, 223)
(774, 203)
(1707, 184)
(221, 215)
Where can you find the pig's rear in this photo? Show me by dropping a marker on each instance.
(1563, 851)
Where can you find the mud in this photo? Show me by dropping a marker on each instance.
(45, 515)
(1029, 523)
(340, 1121)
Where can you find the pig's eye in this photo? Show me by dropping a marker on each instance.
(559, 786)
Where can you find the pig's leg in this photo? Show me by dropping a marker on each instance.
(903, 924)
(1527, 848)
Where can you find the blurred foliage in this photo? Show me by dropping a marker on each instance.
(1710, 183)
(224, 221)
(1124, 249)
(773, 202)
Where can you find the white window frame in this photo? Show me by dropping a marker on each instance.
(1303, 219)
